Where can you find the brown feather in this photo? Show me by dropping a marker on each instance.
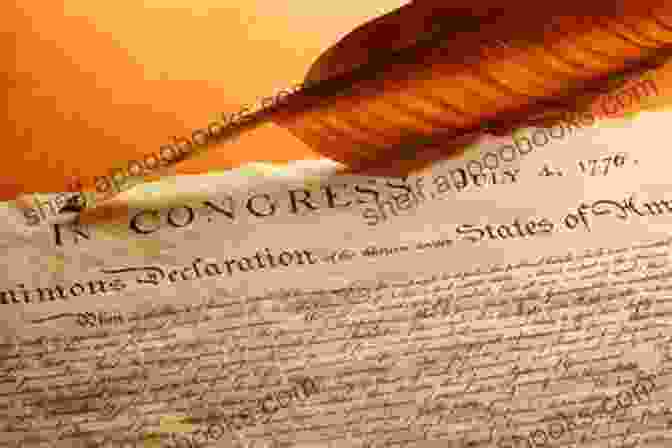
(431, 72)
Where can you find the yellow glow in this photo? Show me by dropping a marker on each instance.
(91, 85)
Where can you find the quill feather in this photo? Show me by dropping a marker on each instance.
(434, 73)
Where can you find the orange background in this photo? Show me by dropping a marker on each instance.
(92, 85)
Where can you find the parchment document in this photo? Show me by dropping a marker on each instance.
(526, 306)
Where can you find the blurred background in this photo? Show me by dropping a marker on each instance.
(92, 85)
